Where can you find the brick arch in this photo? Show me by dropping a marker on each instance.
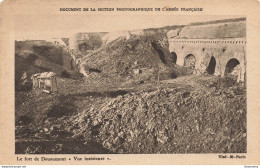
(174, 57)
(239, 57)
(189, 61)
(230, 65)
(185, 52)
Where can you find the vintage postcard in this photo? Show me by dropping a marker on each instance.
(129, 82)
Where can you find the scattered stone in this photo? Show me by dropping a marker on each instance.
(197, 126)
(96, 122)
(137, 71)
(162, 140)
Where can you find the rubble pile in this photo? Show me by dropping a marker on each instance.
(143, 57)
(207, 115)
(167, 121)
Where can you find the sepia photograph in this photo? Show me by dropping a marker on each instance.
(167, 84)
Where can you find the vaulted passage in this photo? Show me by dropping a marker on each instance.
(190, 61)
(231, 64)
(173, 57)
(212, 65)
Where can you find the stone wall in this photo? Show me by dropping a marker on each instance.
(222, 50)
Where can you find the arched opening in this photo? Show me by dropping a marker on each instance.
(231, 64)
(173, 57)
(189, 61)
(212, 65)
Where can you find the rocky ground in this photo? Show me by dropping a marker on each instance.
(189, 114)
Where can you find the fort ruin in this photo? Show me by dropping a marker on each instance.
(220, 56)
(166, 90)
(216, 48)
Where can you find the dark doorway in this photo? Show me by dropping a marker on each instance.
(231, 64)
(190, 61)
(212, 65)
(173, 57)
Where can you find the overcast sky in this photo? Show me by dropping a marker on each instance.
(57, 26)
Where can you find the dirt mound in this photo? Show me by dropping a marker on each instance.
(188, 114)
(143, 57)
(168, 121)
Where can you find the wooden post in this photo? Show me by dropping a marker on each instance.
(44, 84)
(51, 85)
(39, 80)
(38, 83)
(33, 82)
(54, 87)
